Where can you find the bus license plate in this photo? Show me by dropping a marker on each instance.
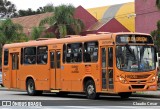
(152, 87)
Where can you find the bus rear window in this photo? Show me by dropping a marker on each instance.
(6, 57)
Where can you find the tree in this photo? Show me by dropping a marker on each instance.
(47, 8)
(156, 33)
(64, 22)
(10, 32)
(156, 36)
(7, 9)
(39, 32)
(158, 4)
(36, 32)
(26, 12)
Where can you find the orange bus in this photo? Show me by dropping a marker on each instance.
(119, 63)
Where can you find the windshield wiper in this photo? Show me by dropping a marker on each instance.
(130, 51)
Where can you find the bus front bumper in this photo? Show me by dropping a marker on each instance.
(120, 87)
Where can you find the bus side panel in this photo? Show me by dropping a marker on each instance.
(72, 77)
(22, 85)
(39, 73)
(77, 72)
(6, 77)
(6, 73)
(95, 74)
(42, 77)
(74, 74)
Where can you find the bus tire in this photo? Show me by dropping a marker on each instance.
(31, 88)
(125, 95)
(90, 90)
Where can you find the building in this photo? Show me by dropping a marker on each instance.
(87, 18)
(147, 15)
(115, 18)
(28, 22)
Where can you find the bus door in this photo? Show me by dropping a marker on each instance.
(107, 68)
(55, 71)
(14, 70)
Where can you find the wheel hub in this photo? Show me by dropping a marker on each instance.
(30, 87)
(90, 89)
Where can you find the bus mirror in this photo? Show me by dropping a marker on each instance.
(155, 52)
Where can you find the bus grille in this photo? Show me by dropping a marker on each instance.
(137, 76)
(138, 86)
(139, 81)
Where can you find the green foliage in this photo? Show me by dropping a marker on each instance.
(39, 32)
(7, 9)
(26, 12)
(158, 25)
(36, 32)
(64, 22)
(158, 4)
(49, 35)
(47, 8)
(156, 36)
(10, 32)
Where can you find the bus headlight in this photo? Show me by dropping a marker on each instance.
(153, 79)
(122, 79)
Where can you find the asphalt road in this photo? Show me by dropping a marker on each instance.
(76, 101)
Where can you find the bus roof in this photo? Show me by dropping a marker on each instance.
(71, 39)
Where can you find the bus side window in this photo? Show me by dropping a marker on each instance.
(64, 53)
(110, 57)
(74, 53)
(52, 64)
(58, 57)
(30, 55)
(15, 61)
(69, 53)
(90, 52)
(6, 57)
(77, 52)
(22, 56)
(42, 54)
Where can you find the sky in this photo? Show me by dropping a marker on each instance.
(35, 4)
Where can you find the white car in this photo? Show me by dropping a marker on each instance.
(1, 79)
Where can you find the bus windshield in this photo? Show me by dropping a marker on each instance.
(135, 58)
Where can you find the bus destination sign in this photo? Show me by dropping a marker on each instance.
(134, 39)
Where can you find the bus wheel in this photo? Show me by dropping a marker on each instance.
(31, 88)
(90, 90)
(125, 95)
